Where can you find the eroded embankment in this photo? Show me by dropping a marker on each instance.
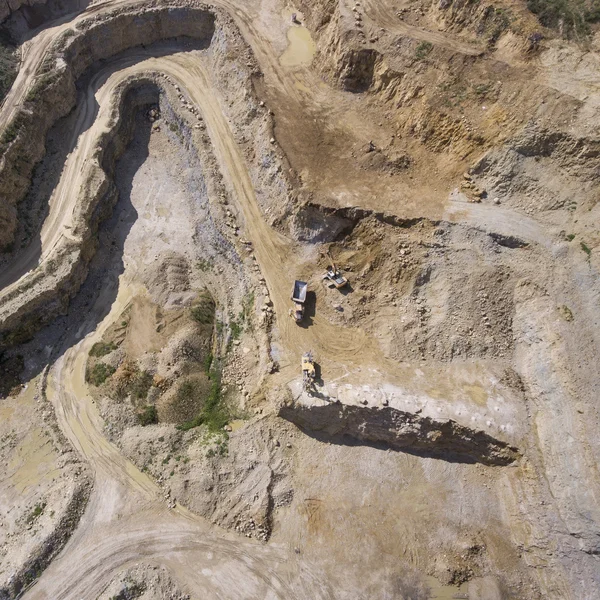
(42, 505)
(54, 93)
(45, 292)
(314, 222)
(400, 430)
(229, 59)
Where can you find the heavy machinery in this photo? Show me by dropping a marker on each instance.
(299, 298)
(308, 371)
(333, 276)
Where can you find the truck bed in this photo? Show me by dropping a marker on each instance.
(299, 293)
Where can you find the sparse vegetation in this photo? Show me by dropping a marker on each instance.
(571, 18)
(175, 127)
(148, 415)
(481, 90)
(245, 315)
(214, 415)
(499, 20)
(586, 248)
(423, 49)
(566, 313)
(99, 373)
(203, 311)
(35, 513)
(141, 384)
(10, 133)
(570, 237)
(236, 329)
(51, 266)
(454, 92)
(130, 591)
(37, 91)
(204, 265)
(9, 63)
(129, 380)
(102, 348)
(208, 360)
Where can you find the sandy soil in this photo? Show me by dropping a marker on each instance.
(44, 486)
(457, 310)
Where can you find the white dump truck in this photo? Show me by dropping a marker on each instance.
(299, 298)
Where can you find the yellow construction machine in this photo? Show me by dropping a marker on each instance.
(333, 275)
(308, 371)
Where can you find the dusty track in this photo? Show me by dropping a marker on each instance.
(382, 15)
(126, 517)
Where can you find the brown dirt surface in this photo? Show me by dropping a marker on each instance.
(445, 156)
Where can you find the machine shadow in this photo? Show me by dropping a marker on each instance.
(310, 310)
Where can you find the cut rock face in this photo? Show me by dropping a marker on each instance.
(400, 430)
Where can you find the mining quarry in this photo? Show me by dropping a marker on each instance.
(299, 301)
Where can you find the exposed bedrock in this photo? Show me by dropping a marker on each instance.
(21, 16)
(45, 292)
(53, 95)
(540, 170)
(400, 430)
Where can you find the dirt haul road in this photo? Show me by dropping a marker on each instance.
(127, 517)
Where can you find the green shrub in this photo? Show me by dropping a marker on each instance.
(586, 248)
(102, 348)
(148, 416)
(99, 373)
(570, 17)
(9, 65)
(10, 133)
(423, 49)
(236, 329)
(214, 415)
(203, 311)
(140, 385)
(204, 265)
(208, 362)
(35, 513)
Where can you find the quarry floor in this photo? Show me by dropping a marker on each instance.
(365, 521)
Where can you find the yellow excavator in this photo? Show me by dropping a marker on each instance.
(333, 275)
(308, 371)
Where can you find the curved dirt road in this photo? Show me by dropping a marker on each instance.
(127, 519)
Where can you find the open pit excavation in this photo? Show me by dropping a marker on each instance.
(299, 301)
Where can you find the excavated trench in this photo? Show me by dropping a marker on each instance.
(52, 97)
(48, 293)
(395, 429)
(98, 198)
